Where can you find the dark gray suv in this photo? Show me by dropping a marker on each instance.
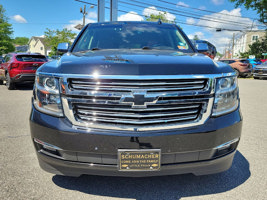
(134, 99)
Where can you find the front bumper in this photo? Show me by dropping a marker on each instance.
(243, 74)
(260, 73)
(190, 150)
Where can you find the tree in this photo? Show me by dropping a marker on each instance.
(161, 16)
(21, 40)
(219, 55)
(54, 37)
(257, 48)
(259, 5)
(196, 37)
(6, 31)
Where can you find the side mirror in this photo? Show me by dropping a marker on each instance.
(63, 47)
(202, 47)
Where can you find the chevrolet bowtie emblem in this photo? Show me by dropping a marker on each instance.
(139, 100)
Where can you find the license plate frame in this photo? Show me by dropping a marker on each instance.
(139, 159)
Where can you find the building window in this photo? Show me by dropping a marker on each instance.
(255, 38)
(41, 48)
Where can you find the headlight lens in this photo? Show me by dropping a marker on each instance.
(47, 96)
(226, 96)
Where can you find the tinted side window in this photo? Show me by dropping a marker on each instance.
(244, 61)
(225, 61)
(231, 61)
(7, 58)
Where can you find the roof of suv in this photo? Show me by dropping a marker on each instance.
(132, 22)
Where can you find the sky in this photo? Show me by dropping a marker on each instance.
(32, 17)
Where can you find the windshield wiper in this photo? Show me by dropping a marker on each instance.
(146, 48)
(95, 49)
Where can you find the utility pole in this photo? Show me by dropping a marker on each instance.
(101, 10)
(83, 11)
(233, 44)
(113, 10)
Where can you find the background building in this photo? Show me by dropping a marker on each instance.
(37, 45)
(242, 43)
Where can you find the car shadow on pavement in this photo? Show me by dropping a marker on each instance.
(28, 86)
(165, 187)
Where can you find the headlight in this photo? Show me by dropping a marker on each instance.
(226, 96)
(47, 96)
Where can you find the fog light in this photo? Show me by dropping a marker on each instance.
(48, 149)
(46, 145)
(226, 148)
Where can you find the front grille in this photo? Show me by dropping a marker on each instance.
(137, 105)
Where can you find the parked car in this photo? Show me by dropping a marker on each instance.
(241, 66)
(254, 62)
(20, 67)
(119, 104)
(260, 71)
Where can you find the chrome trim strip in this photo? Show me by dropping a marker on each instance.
(50, 154)
(85, 87)
(134, 84)
(132, 115)
(133, 122)
(135, 77)
(97, 109)
(222, 146)
(46, 144)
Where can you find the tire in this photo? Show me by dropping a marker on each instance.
(1, 82)
(9, 83)
(237, 73)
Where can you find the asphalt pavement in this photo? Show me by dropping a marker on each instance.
(22, 178)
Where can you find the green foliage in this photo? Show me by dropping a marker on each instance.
(244, 55)
(219, 54)
(257, 48)
(196, 37)
(54, 37)
(6, 31)
(21, 40)
(161, 16)
(259, 5)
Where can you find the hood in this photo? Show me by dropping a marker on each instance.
(135, 62)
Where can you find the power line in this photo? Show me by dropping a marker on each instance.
(209, 11)
(180, 22)
(175, 12)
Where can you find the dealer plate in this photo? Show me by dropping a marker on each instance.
(139, 160)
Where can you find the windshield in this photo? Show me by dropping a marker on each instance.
(132, 36)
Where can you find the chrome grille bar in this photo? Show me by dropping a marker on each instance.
(113, 83)
(129, 85)
(134, 122)
(113, 115)
(91, 107)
